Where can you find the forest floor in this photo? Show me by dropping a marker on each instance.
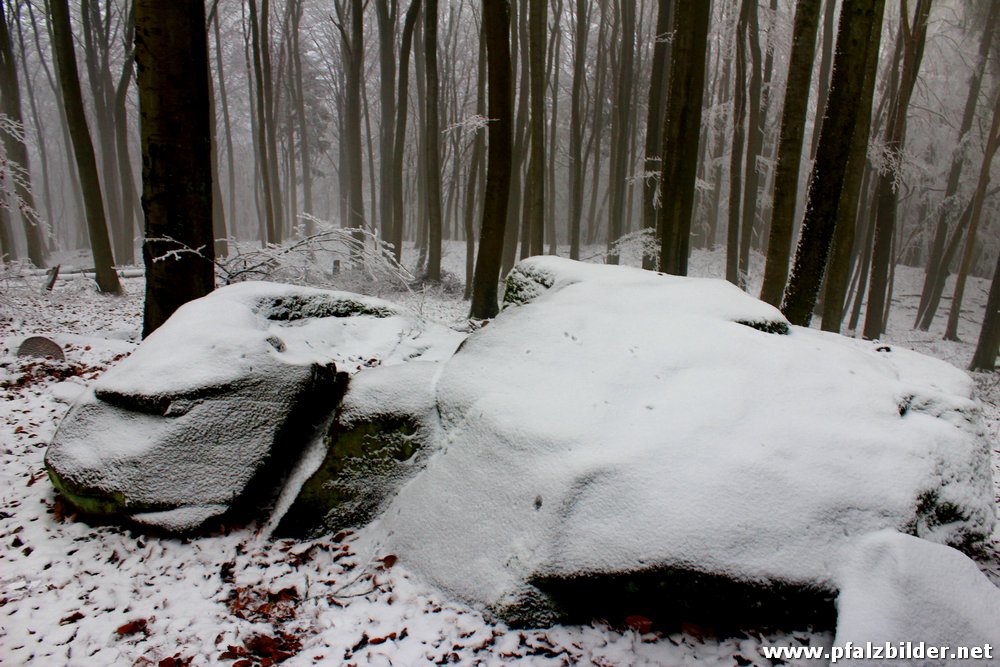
(73, 593)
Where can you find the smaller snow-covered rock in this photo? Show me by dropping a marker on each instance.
(216, 405)
(905, 594)
(378, 440)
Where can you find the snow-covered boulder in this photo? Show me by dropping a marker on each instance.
(908, 597)
(383, 433)
(215, 406)
(615, 422)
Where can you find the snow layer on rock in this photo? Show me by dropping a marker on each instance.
(896, 588)
(193, 415)
(622, 420)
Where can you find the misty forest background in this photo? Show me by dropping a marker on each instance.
(828, 142)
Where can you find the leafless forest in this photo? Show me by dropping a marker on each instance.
(827, 142)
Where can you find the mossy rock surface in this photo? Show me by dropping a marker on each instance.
(379, 439)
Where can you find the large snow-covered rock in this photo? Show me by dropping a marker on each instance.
(613, 421)
(216, 405)
(907, 597)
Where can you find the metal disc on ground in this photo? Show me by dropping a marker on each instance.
(40, 346)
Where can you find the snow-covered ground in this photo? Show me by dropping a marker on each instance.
(78, 594)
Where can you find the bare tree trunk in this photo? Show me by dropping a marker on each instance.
(223, 99)
(399, 143)
(658, 82)
(17, 152)
(475, 169)
(496, 28)
(839, 265)
(431, 143)
(857, 19)
(985, 356)
(736, 155)
(885, 192)
(681, 133)
(992, 139)
(621, 120)
(936, 271)
(83, 148)
(172, 54)
(793, 124)
(385, 14)
(581, 31)
(755, 140)
(535, 181)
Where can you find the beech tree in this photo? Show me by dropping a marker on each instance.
(171, 47)
(681, 131)
(857, 18)
(496, 29)
(83, 147)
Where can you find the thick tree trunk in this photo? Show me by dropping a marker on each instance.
(172, 56)
(681, 131)
(83, 148)
(755, 140)
(496, 28)
(857, 19)
(839, 265)
(738, 146)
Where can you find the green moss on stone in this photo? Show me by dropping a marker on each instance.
(364, 464)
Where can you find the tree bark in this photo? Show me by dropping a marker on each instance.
(681, 131)
(496, 28)
(535, 182)
(399, 143)
(83, 148)
(431, 143)
(793, 125)
(658, 82)
(17, 152)
(885, 191)
(992, 139)
(857, 19)
(172, 54)
(581, 31)
(621, 123)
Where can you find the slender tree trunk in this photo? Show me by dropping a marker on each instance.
(431, 143)
(681, 133)
(736, 154)
(621, 120)
(793, 125)
(885, 191)
(399, 143)
(496, 28)
(992, 139)
(475, 168)
(172, 54)
(535, 182)
(857, 19)
(755, 140)
(385, 14)
(658, 82)
(936, 272)
(17, 152)
(581, 31)
(83, 148)
(825, 71)
(223, 99)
